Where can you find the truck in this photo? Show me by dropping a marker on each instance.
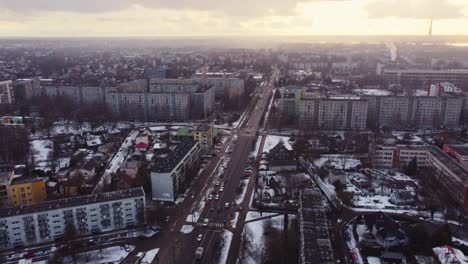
(199, 253)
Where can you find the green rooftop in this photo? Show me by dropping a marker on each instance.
(185, 132)
(188, 132)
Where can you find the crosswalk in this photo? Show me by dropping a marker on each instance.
(214, 225)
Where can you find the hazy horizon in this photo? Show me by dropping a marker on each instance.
(148, 18)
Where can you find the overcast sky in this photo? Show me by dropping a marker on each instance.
(231, 17)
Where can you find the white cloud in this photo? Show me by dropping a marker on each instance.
(417, 9)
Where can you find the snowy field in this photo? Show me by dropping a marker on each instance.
(107, 255)
(227, 239)
(240, 197)
(271, 141)
(254, 232)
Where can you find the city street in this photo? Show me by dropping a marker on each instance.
(180, 248)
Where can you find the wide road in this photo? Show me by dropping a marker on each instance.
(180, 248)
(220, 220)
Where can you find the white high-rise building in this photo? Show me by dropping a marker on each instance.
(46, 222)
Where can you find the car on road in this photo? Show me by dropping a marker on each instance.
(217, 197)
(226, 205)
(221, 189)
(200, 237)
(206, 221)
(210, 197)
(168, 218)
(217, 183)
(29, 255)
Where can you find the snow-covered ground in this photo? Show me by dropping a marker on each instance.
(106, 255)
(149, 256)
(373, 201)
(461, 241)
(227, 239)
(337, 161)
(42, 151)
(234, 220)
(116, 161)
(252, 215)
(267, 115)
(352, 245)
(240, 197)
(257, 146)
(373, 260)
(186, 229)
(254, 232)
(271, 141)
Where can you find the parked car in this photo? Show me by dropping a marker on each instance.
(200, 237)
(29, 255)
(226, 205)
(217, 197)
(210, 197)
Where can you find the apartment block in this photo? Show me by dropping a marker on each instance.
(411, 76)
(169, 174)
(27, 88)
(420, 112)
(330, 113)
(45, 222)
(7, 92)
(203, 134)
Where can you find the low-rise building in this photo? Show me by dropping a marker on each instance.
(6, 176)
(315, 242)
(27, 191)
(459, 153)
(448, 172)
(47, 221)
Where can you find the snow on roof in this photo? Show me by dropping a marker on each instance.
(158, 128)
(271, 141)
(160, 146)
(450, 255)
(377, 92)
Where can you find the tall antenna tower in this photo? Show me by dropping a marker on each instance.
(430, 27)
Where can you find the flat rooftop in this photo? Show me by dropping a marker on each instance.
(72, 202)
(175, 157)
(460, 149)
(26, 180)
(316, 247)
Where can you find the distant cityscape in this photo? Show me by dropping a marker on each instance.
(294, 151)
